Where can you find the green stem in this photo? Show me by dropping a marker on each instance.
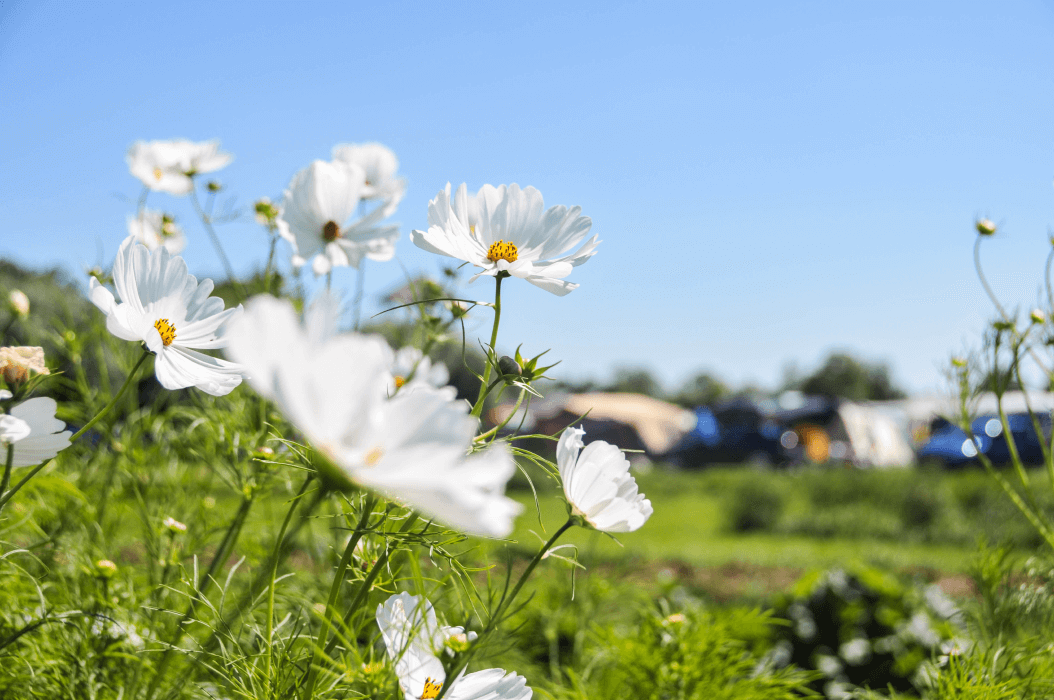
(364, 589)
(334, 593)
(1015, 497)
(270, 262)
(484, 389)
(113, 402)
(1048, 456)
(496, 428)
(274, 574)
(207, 221)
(503, 606)
(7, 471)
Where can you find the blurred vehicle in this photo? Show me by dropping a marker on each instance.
(739, 430)
(953, 448)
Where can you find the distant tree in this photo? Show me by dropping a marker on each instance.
(701, 390)
(845, 376)
(635, 380)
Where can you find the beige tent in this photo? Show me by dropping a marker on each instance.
(659, 424)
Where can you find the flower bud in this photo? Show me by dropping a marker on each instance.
(985, 227)
(1038, 316)
(214, 186)
(509, 367)
(266, 212)
(174, 526)
(263, 452)
(17, 362)
(104, 568)
(959, 362)
(208, 503)
(1003, 325)
(19, 302)
(674, 619)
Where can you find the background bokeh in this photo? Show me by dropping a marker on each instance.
(770, 182)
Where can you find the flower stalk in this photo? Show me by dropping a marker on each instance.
(484, 387)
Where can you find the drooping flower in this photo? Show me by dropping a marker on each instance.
(315, 208)
(170, 166)
(410, 448)
(506, 229)
(379, 166)
(46, 435)
(413, 369)
(598, 485)
(155, 230)
(16, 363)
(414, 640)
(165, 307)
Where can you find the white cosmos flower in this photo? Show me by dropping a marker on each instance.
(598, 484)
(316, 206)
(170, 166)
(34, 431)
(414, 639)
(165, 307)
(379, 166)
(412, 369)
(506, 229)
(410, 448)
(154, 230)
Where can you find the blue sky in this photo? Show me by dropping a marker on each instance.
(769, 182)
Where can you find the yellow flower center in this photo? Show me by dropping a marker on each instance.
(500, 250)
(431, 689)
(399, 382)
(166, 329)
(330, 232)
(373, 456)
(158, 174)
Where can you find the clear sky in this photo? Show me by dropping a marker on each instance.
(770, 181)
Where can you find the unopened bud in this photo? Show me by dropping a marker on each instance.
(1038, 316)
(208, 503)
(174, 526)
(509, 367)
(19, 302)
(214, 186)
(266, 212)
(674, 619)
(985, 227)
(958, 362)
(1003, 325)
(104, 568)
(457, 643)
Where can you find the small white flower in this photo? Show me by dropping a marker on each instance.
(46, 435)
(154, 230)
(414, 639)
(410, 448)
(315, 208)
(165, 307)
(598, 484)
(506, 229)
(413, 369)
(170, 166)
(379, 166)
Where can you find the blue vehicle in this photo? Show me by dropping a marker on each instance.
(953, 448)
(733, 431)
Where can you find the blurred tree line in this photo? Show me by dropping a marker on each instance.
(840, 375)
